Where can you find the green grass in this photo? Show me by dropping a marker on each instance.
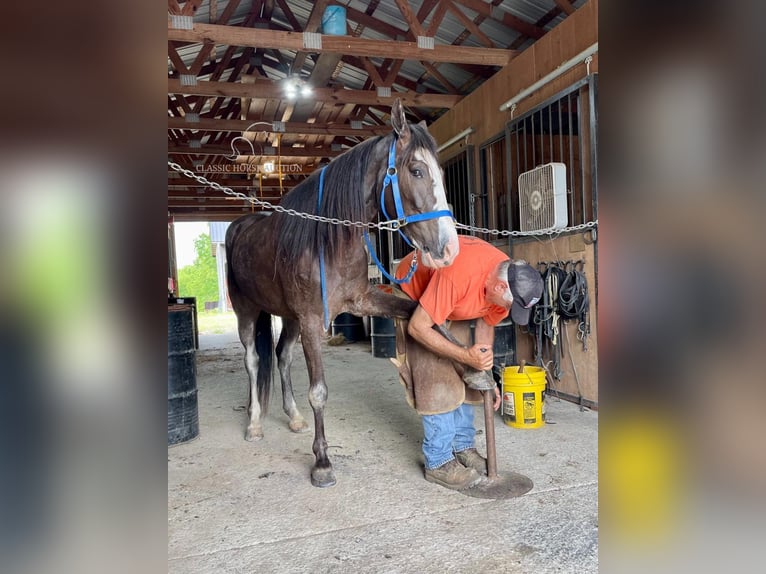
(213, 322)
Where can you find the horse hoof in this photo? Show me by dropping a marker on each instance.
(298, 426)
(253, 434)
(478, 380)
(323, 477)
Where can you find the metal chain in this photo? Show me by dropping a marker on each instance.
(385, 225)
(279, 208)
(579, 227)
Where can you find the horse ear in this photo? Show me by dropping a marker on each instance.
(399, 122)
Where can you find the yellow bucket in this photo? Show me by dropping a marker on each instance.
(524, 397)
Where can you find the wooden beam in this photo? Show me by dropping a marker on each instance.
(409, 17)
(470, 25)
(290, 16)
(369, 22)
(225, 149)
(439, 77)
(272, 189)
(266, 89)
(216, 125)
(565, 6)
(190, 7)
(372, 71)
(436, 21)
(522, 26)
(258, 38)
(314, 20)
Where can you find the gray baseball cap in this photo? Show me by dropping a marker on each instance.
(526, 284)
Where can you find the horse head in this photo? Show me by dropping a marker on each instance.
(429, 225)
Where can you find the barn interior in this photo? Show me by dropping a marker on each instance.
(263, 93)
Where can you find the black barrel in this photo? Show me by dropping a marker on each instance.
(183, 415)
(383, 335)
(504, 347)
(350, 326)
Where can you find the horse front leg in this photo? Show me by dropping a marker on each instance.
(285, 347)
(376, 303)
(322, 473)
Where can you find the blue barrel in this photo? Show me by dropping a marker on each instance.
(383, 337)
(334, 21)
(183, 415)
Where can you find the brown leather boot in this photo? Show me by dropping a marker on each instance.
(471, 458)
(453, 475)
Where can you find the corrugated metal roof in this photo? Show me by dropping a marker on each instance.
(387, 11)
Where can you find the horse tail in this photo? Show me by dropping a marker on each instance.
(264, 347)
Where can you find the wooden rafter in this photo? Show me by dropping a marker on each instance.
(225, 149)
(470, 25)
(409, 17)
(439, 77)
(265, 89)
(518, 24)
(312, 24)
(565, 6)
(217, 125)
(238, 36)
(436, 21)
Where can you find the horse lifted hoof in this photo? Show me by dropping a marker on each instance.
(323, 477)
(253, 433)
(478, 380)
(298, 426)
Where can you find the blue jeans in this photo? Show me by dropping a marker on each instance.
(447, 433)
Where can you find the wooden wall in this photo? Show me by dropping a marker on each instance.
(480, 110)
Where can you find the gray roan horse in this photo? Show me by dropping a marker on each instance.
(274, 263)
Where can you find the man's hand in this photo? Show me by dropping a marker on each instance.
(498, 399)
(480, 357)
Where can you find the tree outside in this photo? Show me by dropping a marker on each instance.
(200, 279)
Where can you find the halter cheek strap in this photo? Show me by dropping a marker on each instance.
(392, 179)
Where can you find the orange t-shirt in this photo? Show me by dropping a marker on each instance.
(456, 292)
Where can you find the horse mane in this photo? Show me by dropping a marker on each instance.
(343, 197)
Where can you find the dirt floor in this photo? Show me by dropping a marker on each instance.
(235, 506)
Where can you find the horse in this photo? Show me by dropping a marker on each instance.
(306, 271)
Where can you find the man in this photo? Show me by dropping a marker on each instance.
(482, 284)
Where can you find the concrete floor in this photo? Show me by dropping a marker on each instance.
(235, 506)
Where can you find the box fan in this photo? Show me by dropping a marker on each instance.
(543, 198)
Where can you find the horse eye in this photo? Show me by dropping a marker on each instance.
(416, 173)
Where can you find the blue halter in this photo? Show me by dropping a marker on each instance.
(401, 220)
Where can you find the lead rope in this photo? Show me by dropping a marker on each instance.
(574, 302)
(322, 282)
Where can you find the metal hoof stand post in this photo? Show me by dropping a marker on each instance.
(505, 485)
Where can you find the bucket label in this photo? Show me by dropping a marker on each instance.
(509, 407)
(529, 401)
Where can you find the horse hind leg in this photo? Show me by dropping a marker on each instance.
(246, 327)
(285, 348)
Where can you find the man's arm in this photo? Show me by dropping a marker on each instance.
(421, 329)
(485, 333)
